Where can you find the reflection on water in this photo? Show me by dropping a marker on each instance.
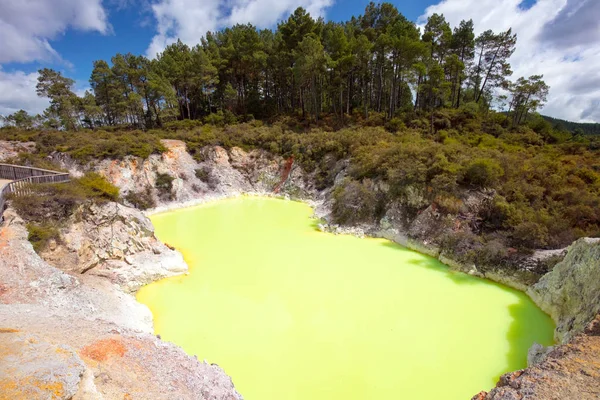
(293, 313)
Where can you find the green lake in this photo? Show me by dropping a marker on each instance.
(290, 312)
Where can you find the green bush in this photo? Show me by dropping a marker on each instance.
(141, 200)
(34, 160)
(96, 186)
(202, 174)
(86, 145)
(460, 245)
(492, 253)
(49, 201)
(483, 173)
(448, 204)
(216, 119)
(40, 234)
(375, 119)
(394, 125)
(441, 121)
(164, 184)
(354, 202)
(530, 235)
(185, 125)
(229, 118)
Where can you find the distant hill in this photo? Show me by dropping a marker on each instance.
(586, 128)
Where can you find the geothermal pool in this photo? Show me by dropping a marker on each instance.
(293, 313)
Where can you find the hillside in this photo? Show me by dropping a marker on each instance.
(542, 186)
(574, 127)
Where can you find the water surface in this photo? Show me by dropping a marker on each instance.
(293, 313)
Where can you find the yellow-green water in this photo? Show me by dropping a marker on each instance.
(293, 313)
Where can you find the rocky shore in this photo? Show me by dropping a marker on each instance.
(71, 309)
(79, 336)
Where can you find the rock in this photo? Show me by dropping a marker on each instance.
(87, 388)
(52, 245)
(570, 293)
(31, 368)
(568, 372)
(227, 173)
(51, 293)
(218, 155)
(537, 353)
(115, 242)
(593, 328)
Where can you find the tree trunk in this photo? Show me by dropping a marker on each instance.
(487, 75)
(458, 94)
(349, 89)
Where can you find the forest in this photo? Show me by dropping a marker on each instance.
(576, 128)
(378, 62)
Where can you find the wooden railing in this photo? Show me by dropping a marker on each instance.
(22, 177)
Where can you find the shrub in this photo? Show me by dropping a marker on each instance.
(469, 110)
(40, 234)
(494, 213)
(530, 235)
(354, 202)
(460, 245)
(448, 203)
(441, 121)
(492, 253)
(96, 186)
(375, 119)
(164, 184)
(246, 118)
(46, 202)
(394, 125)
(229, 118)
(34, 160)
(419, 123)
(203, 174)
(185, 124)
(142, 200)
(216, 119)
(483, 173)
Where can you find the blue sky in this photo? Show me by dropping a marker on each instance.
(558, 38)
(132, 29)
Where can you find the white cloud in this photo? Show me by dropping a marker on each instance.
(189, 20)
(26, 26)
(569, 65)
(17, 91)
